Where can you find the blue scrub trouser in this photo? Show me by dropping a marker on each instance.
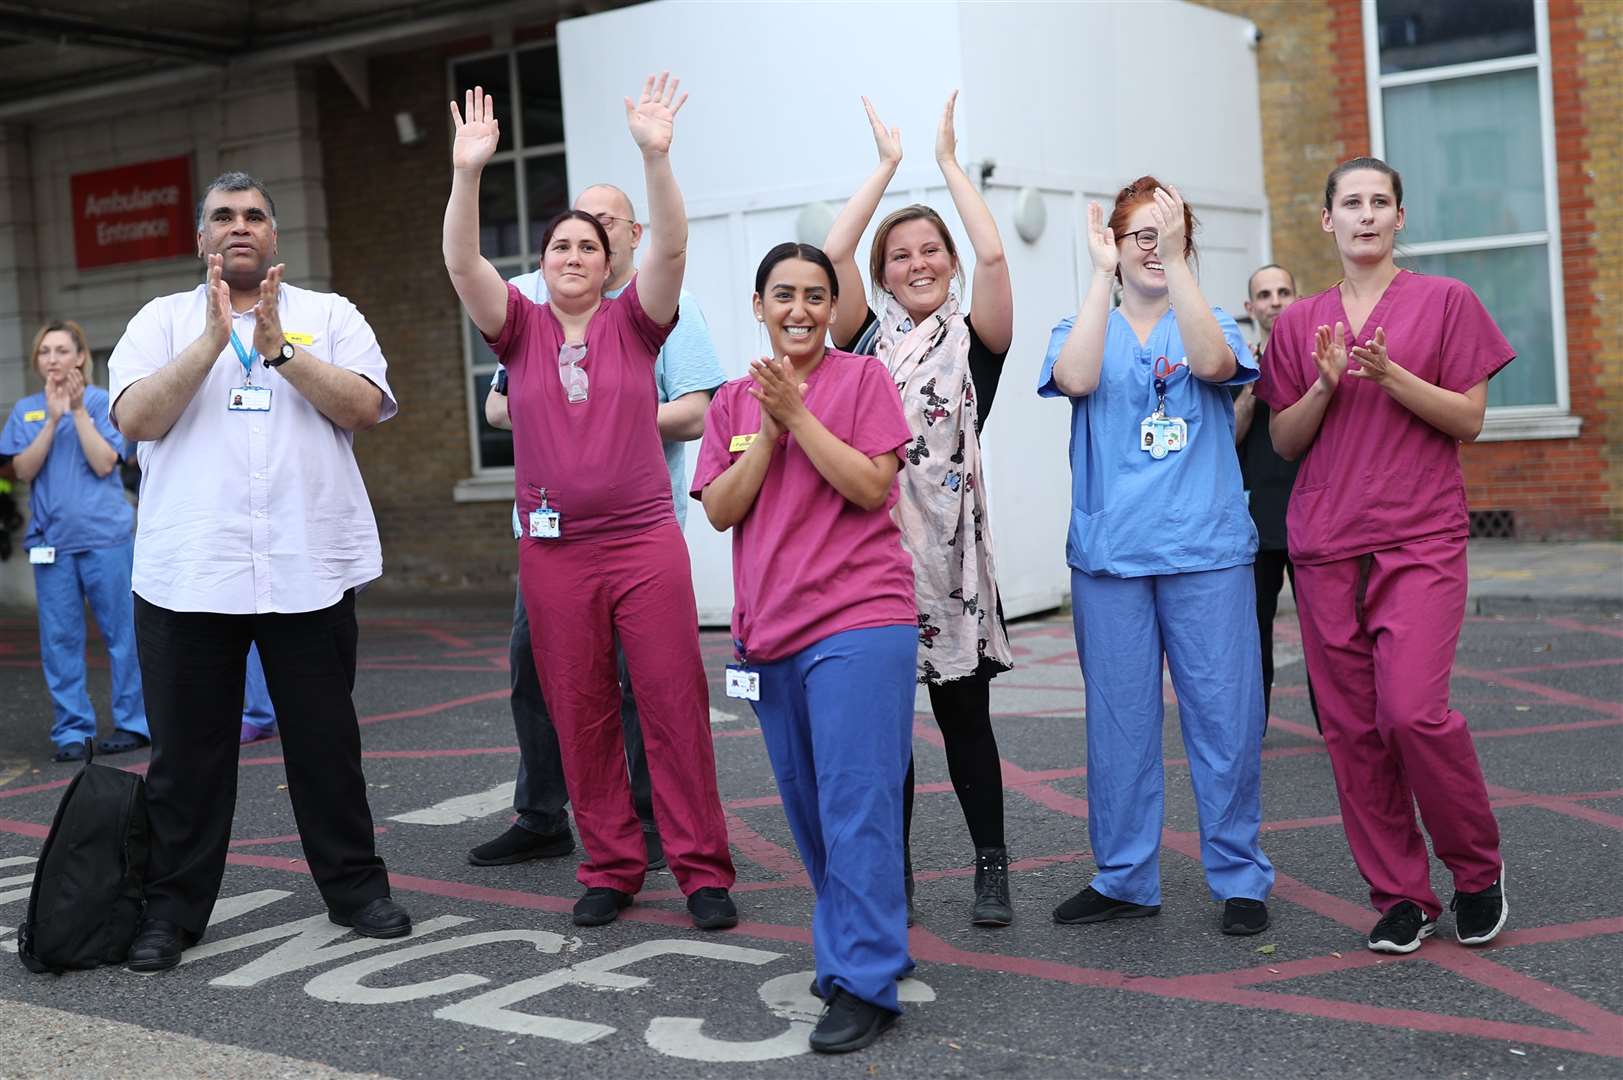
(103, 577)
(256, 703)
(1205, 624)
(837, 718)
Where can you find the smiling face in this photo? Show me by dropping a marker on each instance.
(1141, 271)
(574, 263)
(1364, 215)
(237, 226)
(919, 266)
(797, 305)
(58, 354)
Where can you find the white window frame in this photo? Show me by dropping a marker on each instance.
(1503, 422)
(495, 483)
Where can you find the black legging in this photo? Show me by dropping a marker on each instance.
(963, 712)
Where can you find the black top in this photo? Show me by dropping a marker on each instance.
(1269, 478)
(985, 366)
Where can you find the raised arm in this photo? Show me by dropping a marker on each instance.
(652, 122)
(1210, 358)
(1294, 429)
(478, 284)
(993, 295)
(1076, 369)
(149, 407)
(843, 236)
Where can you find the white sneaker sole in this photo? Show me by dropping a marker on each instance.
(1504, 913)
(1383, 945)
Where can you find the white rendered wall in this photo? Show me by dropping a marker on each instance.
(1073, 99)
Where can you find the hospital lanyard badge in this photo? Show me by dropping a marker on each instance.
(545, 522)
(1160, 434)
(742, 683)
(247, 397)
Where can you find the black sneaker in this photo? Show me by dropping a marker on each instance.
(1402, 928)
(1243, 916)
(519, 844)
(1479, 916)
(600, 906)
(848, 1023)
(1091, 905)
(712, 909)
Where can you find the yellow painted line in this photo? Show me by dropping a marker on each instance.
(10, 770)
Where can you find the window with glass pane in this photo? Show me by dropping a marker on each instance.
(1416, 34)
(524, 186)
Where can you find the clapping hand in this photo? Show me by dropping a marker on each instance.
(652, 118)
(73, 383)
(267, 316)
(57, 400)
(1330, 355)
(217, 312)
(1167, 211)
(1374, 362)
(888, 141)
(1101, 241)
(946, 138)
(477, 136)
(782, 396)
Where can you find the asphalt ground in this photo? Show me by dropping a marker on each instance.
(496, 980)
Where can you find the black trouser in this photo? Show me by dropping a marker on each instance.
(963, 712)
(1270, 571)
(540, 795)
(192, 670)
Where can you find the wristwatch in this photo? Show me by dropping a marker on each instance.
(283, 355)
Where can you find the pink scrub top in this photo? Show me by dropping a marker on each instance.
(600, 460)
(1377, 476)
(808, 563)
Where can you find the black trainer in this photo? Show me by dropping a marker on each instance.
(1402, 928)
(519, 844)
(1091, 905)
(712, 908)
(600, 906)
(848, 1023)
(992, 907)
(1242, 916)
(1479, 916)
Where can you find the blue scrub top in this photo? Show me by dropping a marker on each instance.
(70, 507)
(1131, 515)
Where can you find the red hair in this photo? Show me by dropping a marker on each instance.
(1140, 191)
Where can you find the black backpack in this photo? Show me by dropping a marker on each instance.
(86, 900)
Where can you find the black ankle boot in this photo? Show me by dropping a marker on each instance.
(992, 906)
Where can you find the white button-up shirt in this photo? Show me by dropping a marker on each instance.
(251, 512)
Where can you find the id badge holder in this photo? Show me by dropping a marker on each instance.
(42, 556)
(249, 399)
(743, 683)
(1159, 435)
(545, 522)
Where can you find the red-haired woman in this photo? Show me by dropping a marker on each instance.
(1377, 530)
(1160, 548)
(947, 366)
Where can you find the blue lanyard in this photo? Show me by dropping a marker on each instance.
(244, 355)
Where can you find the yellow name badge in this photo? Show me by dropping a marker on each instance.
(299, 339)
(741, 442)
(33, 415)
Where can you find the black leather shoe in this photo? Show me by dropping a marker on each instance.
(600, 906)
(157, 946)
(381, 918)
(849, 1023)
(519, 844)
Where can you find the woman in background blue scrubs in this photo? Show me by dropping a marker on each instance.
(1160, 548)
(80, 540)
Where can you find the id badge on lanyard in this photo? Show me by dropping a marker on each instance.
(247, 397)
(1158, 433)
(545, 522)
(742, 683)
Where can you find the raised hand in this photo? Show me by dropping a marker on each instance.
(57, 401)
(888, 141)
(782, 396)
(217, 312)
(652, 118)
(1169, 225)
(267, 317)
(1101, 241)
(73, 384)
(946, 138)
(1330, 355)
(1374, 362)
(476, 136)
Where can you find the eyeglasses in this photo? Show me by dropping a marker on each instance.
(571, 374)
(1145, 238)
(608, 220)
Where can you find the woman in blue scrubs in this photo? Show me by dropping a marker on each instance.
(80, 540)
(1160, 549)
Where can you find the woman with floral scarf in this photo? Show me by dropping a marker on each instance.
(946, 365)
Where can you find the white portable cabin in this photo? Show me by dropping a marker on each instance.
(1059, 103)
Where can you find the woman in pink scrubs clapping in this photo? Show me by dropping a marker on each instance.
(1374, 384)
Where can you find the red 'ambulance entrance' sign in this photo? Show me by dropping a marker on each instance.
(133, 213)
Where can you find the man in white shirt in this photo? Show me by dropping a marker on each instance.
(255, 528)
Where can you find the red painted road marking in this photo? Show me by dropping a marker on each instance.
(1549, 693)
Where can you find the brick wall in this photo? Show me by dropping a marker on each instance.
(385, 203)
